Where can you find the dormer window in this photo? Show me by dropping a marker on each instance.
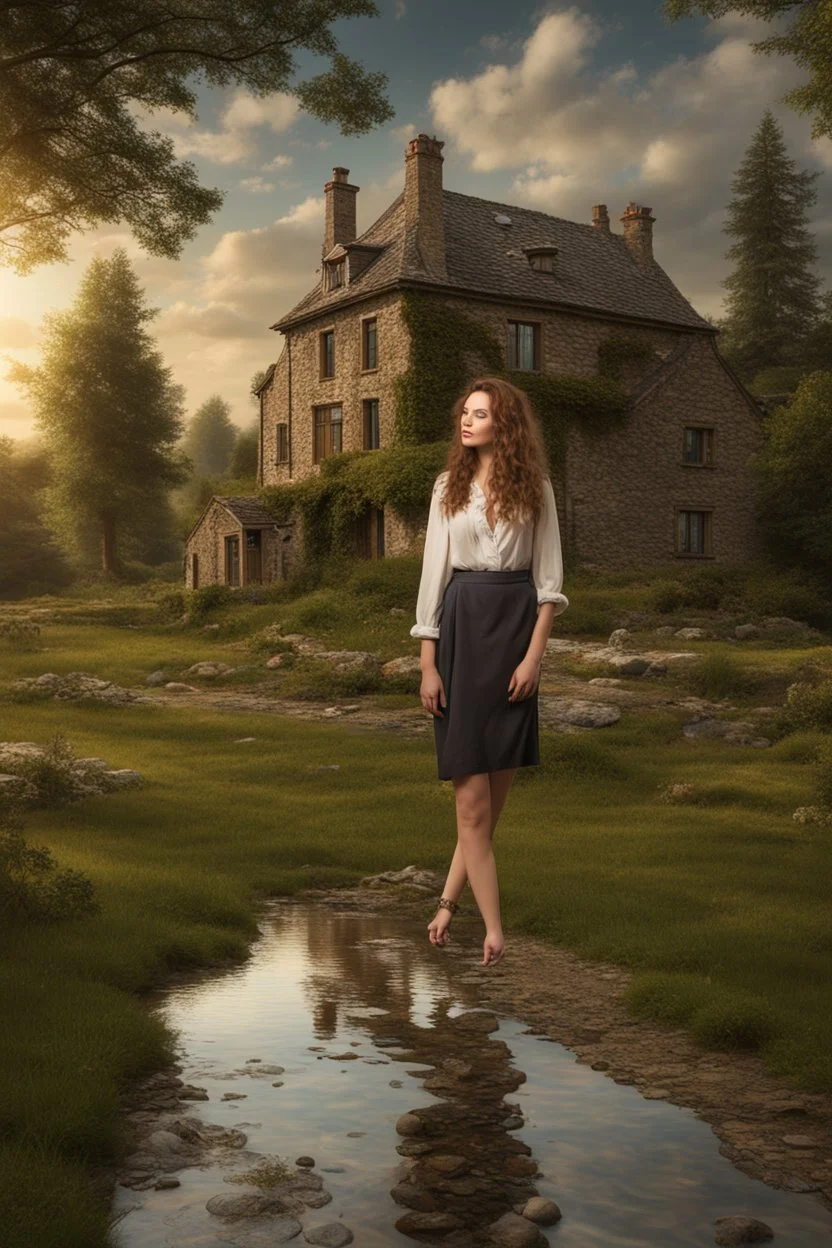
(335, 273)
(541, 259)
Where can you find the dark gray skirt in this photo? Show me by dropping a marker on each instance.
(485, 627)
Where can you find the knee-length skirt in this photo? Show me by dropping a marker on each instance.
(486, 625)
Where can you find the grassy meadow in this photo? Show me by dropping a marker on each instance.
(719, 903)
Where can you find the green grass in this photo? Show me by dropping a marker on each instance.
(720, 909)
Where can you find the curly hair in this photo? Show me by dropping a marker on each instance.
(520, 462)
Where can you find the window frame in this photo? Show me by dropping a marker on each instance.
(333, 268)
(366, 322)
(282, 442)
(512, 324)
(707, 551)
(326, 424)
(368, 443)
(708, 444)
(322, 354)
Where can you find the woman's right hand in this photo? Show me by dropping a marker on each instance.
(432, 691)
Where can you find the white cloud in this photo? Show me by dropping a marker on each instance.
(235, 141)
(256, 185)
(571, 135)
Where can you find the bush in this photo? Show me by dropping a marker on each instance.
(314, 681)
(824, 778)
(207, 597)
(51, 772)
(20, 634)
(720, 676)
(31, 884)
(171, 606)
(665, 597)
(808, 705)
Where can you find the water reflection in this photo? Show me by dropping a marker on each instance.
(370, 1022)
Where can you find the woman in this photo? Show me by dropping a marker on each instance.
(489, 591)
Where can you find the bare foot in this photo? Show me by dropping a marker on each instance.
(438, 933)
(492, 948)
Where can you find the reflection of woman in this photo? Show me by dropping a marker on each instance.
(490, 588)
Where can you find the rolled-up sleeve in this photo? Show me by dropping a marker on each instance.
(436, 569)
(547, 558)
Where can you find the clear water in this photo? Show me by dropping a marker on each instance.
(626, 1172)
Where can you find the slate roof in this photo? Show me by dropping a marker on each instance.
(248, 510)
(595, 271)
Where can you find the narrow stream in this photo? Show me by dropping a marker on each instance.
(369, 1022)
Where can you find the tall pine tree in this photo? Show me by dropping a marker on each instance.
(210, 438)
(109, 412)
(773, 301)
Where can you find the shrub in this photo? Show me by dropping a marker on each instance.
(20, 634)
(665, 597)
(32, 886)
(171, 606)
(808, 705)
(50, 772)
(207, 597)
(824, 776)
(720, 676)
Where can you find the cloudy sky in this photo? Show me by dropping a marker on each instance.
(557, 107)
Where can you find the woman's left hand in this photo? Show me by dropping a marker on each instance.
(524, 680)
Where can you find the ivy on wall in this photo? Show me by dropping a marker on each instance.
(448, 346)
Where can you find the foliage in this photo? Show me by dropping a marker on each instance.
(110, 415)
(32, 886)
(772, 301)
(210, 437)
(824, 776)
(20, 634)
(618, 349)
(244, 459)
(77, 82)
(203, 600)
(793, 469)
(30, 561)
(720, 676)
(808, 705)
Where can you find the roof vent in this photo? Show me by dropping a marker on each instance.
(502, 219)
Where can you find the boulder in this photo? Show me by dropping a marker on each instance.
(348, 660)
(403, 666)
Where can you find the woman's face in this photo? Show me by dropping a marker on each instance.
(477, 425)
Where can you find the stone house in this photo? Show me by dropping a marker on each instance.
(672, 484)
(236, 541)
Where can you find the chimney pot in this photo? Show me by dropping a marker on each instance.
(340, 196)
(600, 218)
(423, 204)
(638, 232)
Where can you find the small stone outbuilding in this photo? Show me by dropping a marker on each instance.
(236, 541)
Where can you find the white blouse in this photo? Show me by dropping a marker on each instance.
(465, 541)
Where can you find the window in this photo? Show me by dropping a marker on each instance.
(195, 571)
(542, 260)
(369, 335)
(523, 344)
(698, 446)
(232, 560)
(372, 439)
(335, 272)
(282, 443)
(372, 533)
(328, 353)
(327, 431)
(693, 532)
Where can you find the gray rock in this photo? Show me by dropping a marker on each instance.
(691, 634)
(397, 611)
(605, 680)
(746, 630)
(737, 1229)
(403, 666)
(735, 732)
(348, 660)
(425, 1221)
(247, 1205)
(539, 1209)
(629, 664)
(123, 778)
(156, 678)
(209, 669)
(333, 1235)
(665, 630)
(514, 1231)
(584, 714)
(275, 661)
(409, 1124)
(176, 686)
(619, 638)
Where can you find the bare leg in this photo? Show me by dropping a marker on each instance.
(499, 783)
(473, 812)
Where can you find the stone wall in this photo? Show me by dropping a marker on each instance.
(622, 486)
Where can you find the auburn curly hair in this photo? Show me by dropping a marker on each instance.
(520, 461)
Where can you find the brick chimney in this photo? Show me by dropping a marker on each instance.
(423, 209)
(340, 210)
(638, 232)
(600, 218)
